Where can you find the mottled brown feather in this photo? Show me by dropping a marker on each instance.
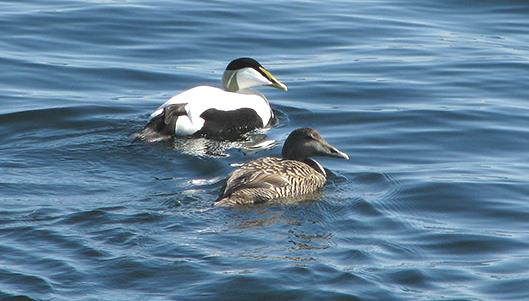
(269, 178)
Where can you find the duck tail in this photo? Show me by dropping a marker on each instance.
(224, 201)
(162, 126)
(230, 200)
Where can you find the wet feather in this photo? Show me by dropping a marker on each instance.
(270, 178)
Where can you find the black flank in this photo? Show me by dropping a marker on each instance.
(229, 125)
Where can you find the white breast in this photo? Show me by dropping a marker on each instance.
(202, 98)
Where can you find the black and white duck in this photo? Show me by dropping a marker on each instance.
(293, 175)
(211, 112)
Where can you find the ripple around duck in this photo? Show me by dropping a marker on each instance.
(379, 194)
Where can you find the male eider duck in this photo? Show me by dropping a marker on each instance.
(293, 175)
(211, 112)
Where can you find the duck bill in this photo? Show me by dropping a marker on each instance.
(280, 85)
(275, 82)
(332, 151)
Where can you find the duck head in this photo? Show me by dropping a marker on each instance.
(306, 142)
(243, 73)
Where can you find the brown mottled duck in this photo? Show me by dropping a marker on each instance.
(293, 175)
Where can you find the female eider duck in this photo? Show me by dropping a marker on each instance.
(270, 178)
(211, 112)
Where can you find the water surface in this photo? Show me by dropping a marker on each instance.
(429, 99)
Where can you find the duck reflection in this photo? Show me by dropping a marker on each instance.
(305, 235)
(204, 147)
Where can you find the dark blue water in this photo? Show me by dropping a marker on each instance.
(429, 98)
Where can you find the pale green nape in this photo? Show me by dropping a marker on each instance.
(229, 81)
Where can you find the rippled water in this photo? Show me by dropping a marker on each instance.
(429, 99)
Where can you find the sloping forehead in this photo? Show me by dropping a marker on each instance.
(244, 62)
(311, 133)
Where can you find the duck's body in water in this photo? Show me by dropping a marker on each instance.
(216, 113)
(293, 175)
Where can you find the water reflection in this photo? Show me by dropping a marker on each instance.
(203, 147)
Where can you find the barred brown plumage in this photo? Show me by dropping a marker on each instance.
(269, 178)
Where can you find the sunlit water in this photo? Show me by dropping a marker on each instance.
(428, 98)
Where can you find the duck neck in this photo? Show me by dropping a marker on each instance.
(315, 165)
(310, 162)
(291, 155)
(229, 81)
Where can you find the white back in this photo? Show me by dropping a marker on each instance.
(201, 98)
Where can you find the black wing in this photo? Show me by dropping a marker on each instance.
(229, 125)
